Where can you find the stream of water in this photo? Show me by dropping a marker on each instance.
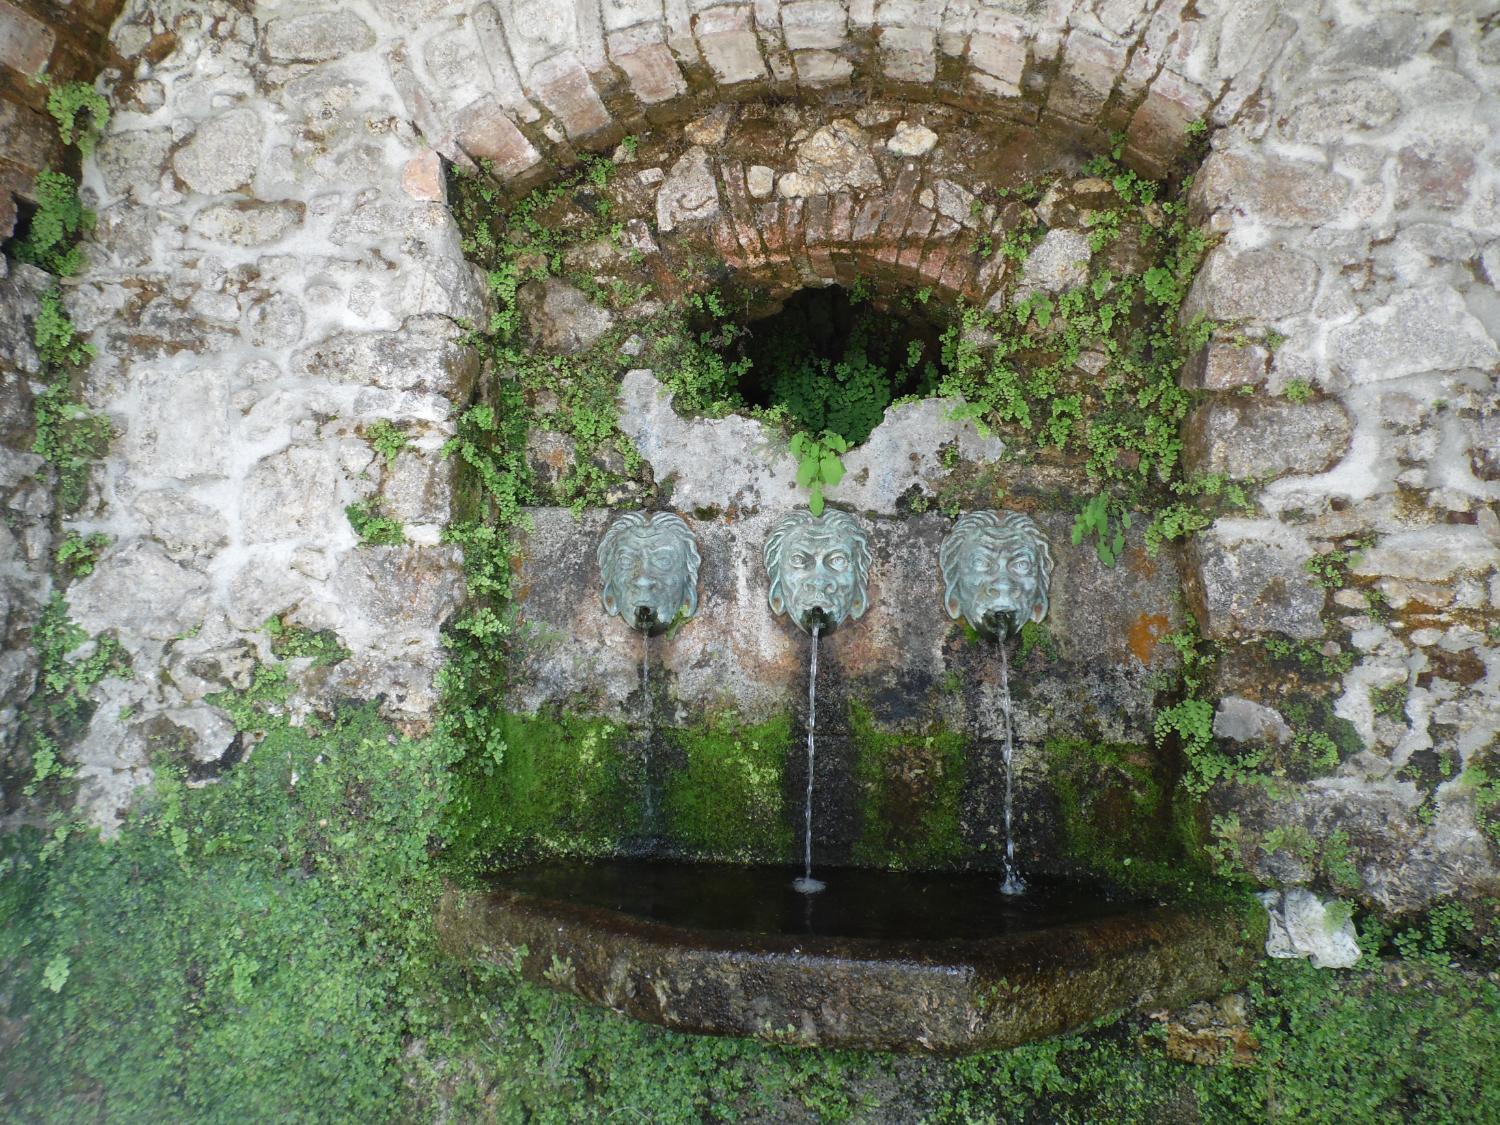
(807, 884)
(646, 728)
(1013, 884)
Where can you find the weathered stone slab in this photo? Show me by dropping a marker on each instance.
(816, 990)
(1263, 439)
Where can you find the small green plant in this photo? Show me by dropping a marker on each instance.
(51, 240)
(388, 439)
(77, 554)
(1106, 521)
(81, 113)
(290, 641)
(818, 464)
(1297, 390)
(1330, 569)
(373, 529)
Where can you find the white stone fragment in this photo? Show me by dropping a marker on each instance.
(1302, 925)
(912, 140)
(759, 181)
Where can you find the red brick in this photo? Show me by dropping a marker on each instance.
(653, 72)
(914, 241)
(564, 87)
(486, 132)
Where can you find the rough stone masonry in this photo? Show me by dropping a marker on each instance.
(274, 268)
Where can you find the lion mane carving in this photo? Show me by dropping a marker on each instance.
(997, 571)
(649, 565)
(819, 567)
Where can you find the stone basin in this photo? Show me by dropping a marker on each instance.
(897, 961)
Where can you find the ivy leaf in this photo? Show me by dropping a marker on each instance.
(815, 501)
(833, 469)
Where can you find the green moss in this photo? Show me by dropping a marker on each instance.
(727, 800)
(911, 788)
(1119, 821)
(552, 784)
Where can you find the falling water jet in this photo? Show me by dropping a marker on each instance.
(1013, 884)
(807, 884)
(647, 728)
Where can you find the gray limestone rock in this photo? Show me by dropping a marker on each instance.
(1302, 925)
(1243, 720)
(291, 495)
(836, 157)
(561, 318)
(690, 192)
(1420, 329)
(185, 528)
(248, 222)
(1263, 439)
(1264, 284)
(426, 355)
(317, 36)
(1336, 111)
(1060, 261)
(137, 585)
(181, 425)
(132, 163)
(1253, 579)
(223, 155)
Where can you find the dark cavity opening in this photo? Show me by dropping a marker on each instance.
(833, 359)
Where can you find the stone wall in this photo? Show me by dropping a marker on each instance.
(274, 270)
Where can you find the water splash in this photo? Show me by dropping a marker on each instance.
(1013, 884)
(807, 884)
(647, 732)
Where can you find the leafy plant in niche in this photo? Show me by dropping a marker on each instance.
(818, 464)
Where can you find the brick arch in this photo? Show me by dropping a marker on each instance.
(527, 84)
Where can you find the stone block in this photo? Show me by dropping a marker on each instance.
(30, 137)
(901, 659)
(317, 36)
(998, 49)
(180, 427)
(690, 192)
(248, 222)
(224, 154)
(1263, 285)
(1222, 365)
(131, 163)
(293, 495)
(1265, 438)
(487, 132)
(1417, 330)
(813, 25)
(25, 42)
(1339, 111)
(727, 39)
(422, 178)
(1269, 189)
(1435, 175)
(396, 593)
(821, 68)
(426, 355)
(1252, 578)
(1090, 67)
(561, 318)
(1158, 128)
(1060, 261)
(908, 54)
(136, 587)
